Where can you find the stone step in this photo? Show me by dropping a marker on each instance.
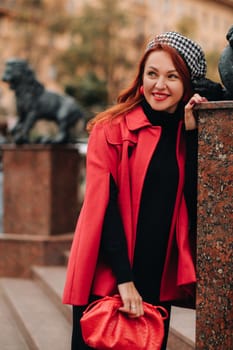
(51, 279)
(182, 326)
(182, 329)
(66, 255)
(40, 322)
(10, 336)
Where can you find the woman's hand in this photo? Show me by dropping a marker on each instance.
(132, 301)
(189, 118)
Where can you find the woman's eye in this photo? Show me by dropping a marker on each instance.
(151, 73)
(173, 76)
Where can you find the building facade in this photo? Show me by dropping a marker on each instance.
(205, 21)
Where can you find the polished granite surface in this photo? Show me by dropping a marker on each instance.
(214, 323)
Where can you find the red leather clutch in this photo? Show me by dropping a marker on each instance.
(105, 327)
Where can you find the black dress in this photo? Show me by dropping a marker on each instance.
(155, 215)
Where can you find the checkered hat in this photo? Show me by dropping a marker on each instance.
(190, 51)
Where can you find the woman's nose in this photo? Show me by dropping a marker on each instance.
(160, 83)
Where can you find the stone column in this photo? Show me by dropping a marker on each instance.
(40, 205)
(214, 308)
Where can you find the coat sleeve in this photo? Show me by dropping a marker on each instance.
(101, 161)
(113, 241)
(190, 188)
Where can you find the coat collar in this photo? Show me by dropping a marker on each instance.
(125, 129)
(136, 119)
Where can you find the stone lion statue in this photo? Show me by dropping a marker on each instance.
(34, 102)
(215, 91)
(225, 65)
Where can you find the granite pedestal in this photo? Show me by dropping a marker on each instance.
(214, 308)
(40, 205)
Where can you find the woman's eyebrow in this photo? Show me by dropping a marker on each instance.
(169, 71)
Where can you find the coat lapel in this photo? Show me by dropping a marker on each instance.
(147, 140)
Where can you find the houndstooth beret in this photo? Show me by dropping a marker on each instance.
(190, 51)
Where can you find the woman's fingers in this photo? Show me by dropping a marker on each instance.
(131, 299)
(196, 98)
(189, 118)
(133, 309)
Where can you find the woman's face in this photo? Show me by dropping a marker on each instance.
(163, 87)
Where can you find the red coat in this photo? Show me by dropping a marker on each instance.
(108, 154)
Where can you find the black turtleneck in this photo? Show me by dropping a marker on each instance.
(155, 214)
(161, 118)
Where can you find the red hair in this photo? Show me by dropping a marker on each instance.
(131, 97)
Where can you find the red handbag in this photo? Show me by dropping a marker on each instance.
(104, 327)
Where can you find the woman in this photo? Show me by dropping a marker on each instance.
(132, 236)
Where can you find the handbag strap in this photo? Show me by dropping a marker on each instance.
(163, 311)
